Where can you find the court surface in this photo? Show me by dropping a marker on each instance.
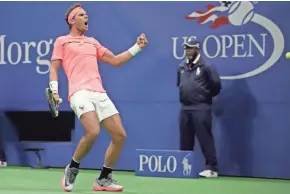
(36, 181)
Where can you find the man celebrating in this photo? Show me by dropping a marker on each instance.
(78, 55)
(198, 83)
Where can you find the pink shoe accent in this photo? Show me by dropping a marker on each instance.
(99, 188)
(62, 185)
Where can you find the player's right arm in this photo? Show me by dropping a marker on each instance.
(56, 61)
(53, 77)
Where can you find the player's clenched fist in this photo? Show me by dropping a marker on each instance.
(142, 40)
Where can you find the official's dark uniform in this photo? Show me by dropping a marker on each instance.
(198, 84)
(2, 153)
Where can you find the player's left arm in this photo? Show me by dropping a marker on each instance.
(117, 60)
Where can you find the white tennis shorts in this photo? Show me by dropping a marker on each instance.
(84, 101)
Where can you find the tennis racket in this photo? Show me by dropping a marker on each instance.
(53, 105)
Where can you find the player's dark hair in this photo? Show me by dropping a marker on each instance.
(69, 10)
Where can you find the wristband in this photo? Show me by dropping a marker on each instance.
(53, 85)
(134, 50)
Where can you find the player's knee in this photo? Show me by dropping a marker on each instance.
(119, 137)
(92, 134)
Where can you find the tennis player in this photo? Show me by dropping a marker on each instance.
(79, 55)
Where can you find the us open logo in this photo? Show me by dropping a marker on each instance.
(239, 13)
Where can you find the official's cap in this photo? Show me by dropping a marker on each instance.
(191, 43)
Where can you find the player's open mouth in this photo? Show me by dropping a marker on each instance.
(86, 23)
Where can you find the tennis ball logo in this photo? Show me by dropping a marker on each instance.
(240, 13)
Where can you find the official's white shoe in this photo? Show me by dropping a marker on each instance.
(3, 164)
(208, 174)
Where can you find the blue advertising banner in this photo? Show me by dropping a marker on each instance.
(244, 40)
